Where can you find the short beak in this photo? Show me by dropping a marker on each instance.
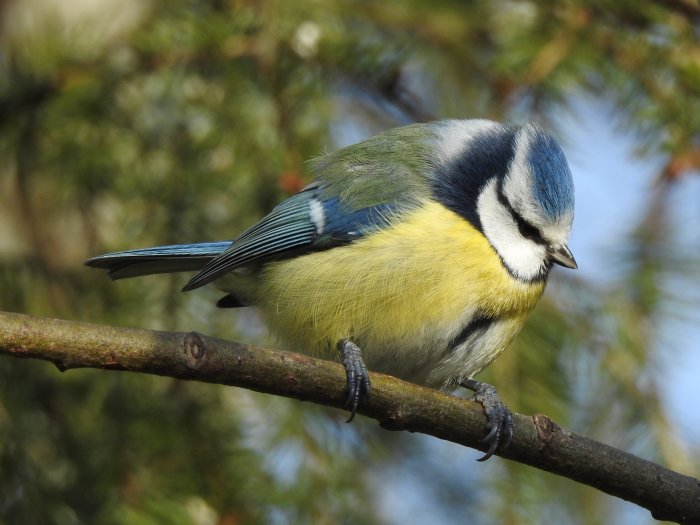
(563, 256)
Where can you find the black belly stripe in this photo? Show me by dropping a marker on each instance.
(478, 323)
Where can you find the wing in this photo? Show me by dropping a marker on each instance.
(303, 223)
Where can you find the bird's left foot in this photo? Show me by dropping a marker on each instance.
(357, 374)
(500, 424)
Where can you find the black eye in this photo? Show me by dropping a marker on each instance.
(527, 230)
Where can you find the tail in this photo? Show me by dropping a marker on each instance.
(160, 259)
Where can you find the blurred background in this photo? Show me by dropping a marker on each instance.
(131, 123)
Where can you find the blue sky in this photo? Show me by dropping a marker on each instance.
(612, 191)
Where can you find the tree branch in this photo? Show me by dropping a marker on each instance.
(396, 405)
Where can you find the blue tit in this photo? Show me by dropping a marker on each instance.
(417, 253)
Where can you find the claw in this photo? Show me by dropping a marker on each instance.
(500, 418)
(357, 374)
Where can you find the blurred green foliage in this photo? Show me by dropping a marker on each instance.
(130, 123)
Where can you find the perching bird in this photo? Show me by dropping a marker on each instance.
(418, 253)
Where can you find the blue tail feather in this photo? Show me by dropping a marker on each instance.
(159, 259)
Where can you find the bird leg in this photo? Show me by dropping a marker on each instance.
(500, 424)
(357, 374)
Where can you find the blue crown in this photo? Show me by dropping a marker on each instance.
(553, 185)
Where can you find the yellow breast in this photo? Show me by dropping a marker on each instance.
(402, 293)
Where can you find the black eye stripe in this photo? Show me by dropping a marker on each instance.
(526, 229)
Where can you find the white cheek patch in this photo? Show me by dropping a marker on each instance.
(525, 258)
(317, 215)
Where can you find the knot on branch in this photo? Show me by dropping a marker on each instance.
(546, 428)
(549, 434)
(195, 350)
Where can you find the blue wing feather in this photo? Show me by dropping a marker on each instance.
(286, 227)
(344, 225)
(290, 230)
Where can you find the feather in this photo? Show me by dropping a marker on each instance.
(302, 224)
(160, 259)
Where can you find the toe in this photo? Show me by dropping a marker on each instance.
(500, 418)
(358, 383)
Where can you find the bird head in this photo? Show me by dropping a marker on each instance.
(526, 212)
(514, 184)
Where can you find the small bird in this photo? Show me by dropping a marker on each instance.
(418, 253)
